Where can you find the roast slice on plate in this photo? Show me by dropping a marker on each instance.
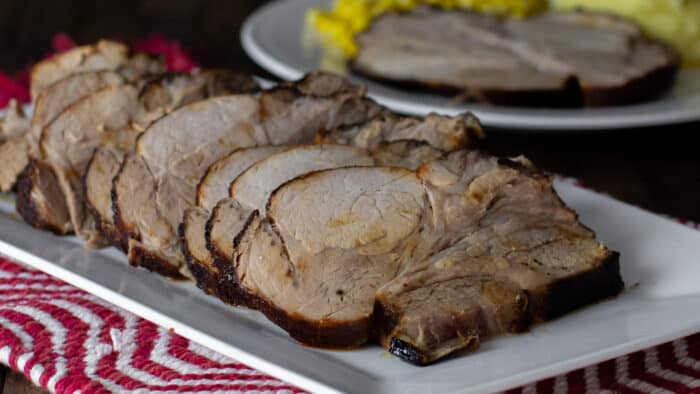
(428, 262)
(340, 221)
(550, 59)
(175, 154)
(157, 97)
(40, 200)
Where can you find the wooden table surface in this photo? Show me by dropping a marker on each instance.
(655, 168)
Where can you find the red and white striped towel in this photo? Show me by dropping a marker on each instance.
(68, 341)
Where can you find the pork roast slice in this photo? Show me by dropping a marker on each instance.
(40, 200)
(446, 133)
(215, 184)
(174, 153)
(551, 59)
(432, 261)
(58, 96)
(294, 113)
(250, 192)
(97, 189)
(164, 93)
(105, 55)
(158, 96)
(214, 187)
(68, 142)
(316, 270)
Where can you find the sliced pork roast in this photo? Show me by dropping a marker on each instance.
(229, 215)
(429, 262)
(285, 115)
(40, 200)
(58, 96)
(101, 119)
(158, 96)
(550, 59)
(155, 186)
(104, 56)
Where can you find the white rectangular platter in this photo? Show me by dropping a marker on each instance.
(660, 262)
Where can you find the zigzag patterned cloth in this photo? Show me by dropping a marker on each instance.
(68, 341)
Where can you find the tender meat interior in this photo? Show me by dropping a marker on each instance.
(101, 119)
(105, 55)
(40, 200)
(215, 184)
(58, 96)
(434, 261)
(491, 58)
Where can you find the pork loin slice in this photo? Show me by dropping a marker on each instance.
(15, 156)
(446, 133)
(315, 272)
(174, 153)
(105, 55)
(550, 59)
(294, 113)
(214, 187)
(433, 261)
(215, 184)
(97, 189)
(253, 186)
(40, 200)
(101, 119)
(250, 191)
(58, 96)
(164, 93)
(158, 96)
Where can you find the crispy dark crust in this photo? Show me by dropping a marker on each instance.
(141, 257)
(205, 279)
(122, 231)
(329, 334)
(107, 229)
(26, 206)
(568, 294)
(568, 96)
(546, 303)
(645, 88)
(227, 285)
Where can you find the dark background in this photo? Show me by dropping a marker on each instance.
(656, 168)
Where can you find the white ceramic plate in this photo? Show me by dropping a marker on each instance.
(658, 254)
(272, 36)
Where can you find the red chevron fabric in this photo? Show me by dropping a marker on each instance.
(68, 341)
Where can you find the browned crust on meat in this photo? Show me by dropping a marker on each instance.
(329, 335)
(107, 229)
(206, 279)
(325, 334)
(543, 304)
(26, 206)
(227, 285)
(568, 96)
(576, 291)
(122, 232)
(142, 257)
(645, 88)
